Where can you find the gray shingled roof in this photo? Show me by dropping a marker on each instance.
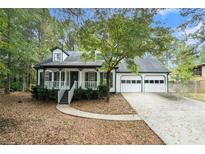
(74, 59)
(147, 64)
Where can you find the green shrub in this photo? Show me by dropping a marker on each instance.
(95, 94)
(41, 93)
(16, 86)
(53, 95)
(88, 93)
(101, 91)
(78, 94)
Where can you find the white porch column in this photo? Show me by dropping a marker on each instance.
(65, 80)
(59, 80)
(98, 78)
(38, 76)
(80, 79)
(52, 79)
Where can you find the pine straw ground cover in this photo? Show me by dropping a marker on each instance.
(117, 105)
(25, 121)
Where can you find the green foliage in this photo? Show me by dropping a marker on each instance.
(184, 62)
(41, 93)
(202, 55)
(101, 91)
(118, 36)
(196, 18)
(80, 93)
(88, 93)
(3, 69)
(16, 86)
(26, 37)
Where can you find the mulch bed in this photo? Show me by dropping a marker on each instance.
(116, 105)
(25, 121)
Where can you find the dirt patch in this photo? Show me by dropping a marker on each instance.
(7, 125)
(117, 105)
(35, 122)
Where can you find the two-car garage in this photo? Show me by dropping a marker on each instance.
(152, 76)
(143, 83)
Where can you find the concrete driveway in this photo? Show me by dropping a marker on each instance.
(175, 121)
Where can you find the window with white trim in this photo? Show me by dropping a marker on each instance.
(48, 76)
(57, 57)
(90, 76)
(56, 76)
(103, 77)
(90, 79)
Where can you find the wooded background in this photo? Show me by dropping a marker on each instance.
(27, 35)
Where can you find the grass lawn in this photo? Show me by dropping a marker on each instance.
(117, 105)
(197, 96)
(25, 121)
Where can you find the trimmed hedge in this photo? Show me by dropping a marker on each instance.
(80, 93)
(41, 93)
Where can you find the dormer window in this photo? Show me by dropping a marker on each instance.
(57, 56)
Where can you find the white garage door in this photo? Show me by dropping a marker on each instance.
(154, 84)
(131, 84)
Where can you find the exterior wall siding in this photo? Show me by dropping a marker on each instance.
(116, 76)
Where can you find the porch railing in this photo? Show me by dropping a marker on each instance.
(71, 92)
(60, 94)
(90, 84)
(56, 85)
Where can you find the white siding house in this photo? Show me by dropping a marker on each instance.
(64, 68)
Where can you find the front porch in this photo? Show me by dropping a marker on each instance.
(64, 78)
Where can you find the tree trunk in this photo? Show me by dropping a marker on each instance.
(8, 78)
(108, 86)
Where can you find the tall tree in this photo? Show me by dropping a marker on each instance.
(26, 37)
(196, 18)
(202, 55)
(121, 34)
(184, 62)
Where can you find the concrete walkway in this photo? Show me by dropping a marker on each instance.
(174, 121)
(74, 112)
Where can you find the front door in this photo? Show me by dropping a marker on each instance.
(73, 77)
